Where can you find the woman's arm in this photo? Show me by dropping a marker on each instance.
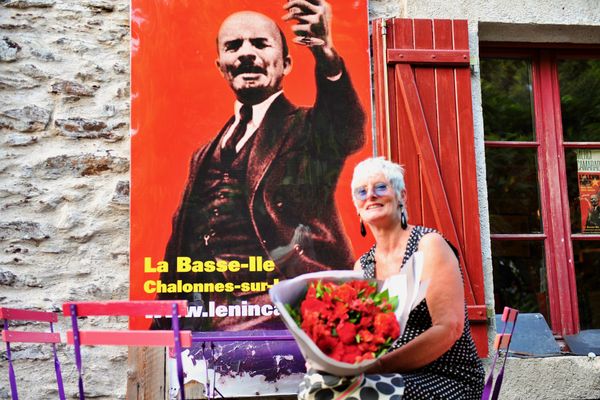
(445, 300)
(357, 266)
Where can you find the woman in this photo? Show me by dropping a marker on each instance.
(435, 358)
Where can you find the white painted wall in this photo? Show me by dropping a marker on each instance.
(560, 12)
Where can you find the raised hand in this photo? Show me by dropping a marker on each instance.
(313, 17)
(313, 29)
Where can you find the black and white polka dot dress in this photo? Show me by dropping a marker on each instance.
(458, 373)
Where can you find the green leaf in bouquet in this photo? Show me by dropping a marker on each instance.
(321, 289)
(384, 347)
(294, 313)
(357, 337)
(354, 316)
(379, 297)
(394, 302)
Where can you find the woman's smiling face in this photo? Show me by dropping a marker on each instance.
(376, 199)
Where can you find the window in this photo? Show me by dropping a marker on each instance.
(541, 110)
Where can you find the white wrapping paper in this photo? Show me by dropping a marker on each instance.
(406, 285)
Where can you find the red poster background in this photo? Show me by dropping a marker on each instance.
(180, 101)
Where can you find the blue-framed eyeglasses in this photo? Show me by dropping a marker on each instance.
(379, 189)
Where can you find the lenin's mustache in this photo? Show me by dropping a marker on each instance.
(248, 69)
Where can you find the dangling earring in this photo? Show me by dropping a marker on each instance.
(363, 230)
(403, 222)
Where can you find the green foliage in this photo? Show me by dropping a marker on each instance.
(294, 313)
(385, 347)
(579, 82)
(507, 99)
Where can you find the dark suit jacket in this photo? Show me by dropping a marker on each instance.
(295, 161)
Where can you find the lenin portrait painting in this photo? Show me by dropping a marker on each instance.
(247, 117)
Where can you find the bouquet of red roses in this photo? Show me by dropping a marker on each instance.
(342, 322)
(350, 321)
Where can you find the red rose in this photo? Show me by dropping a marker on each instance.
(347, 332)
(386, 325)
(327, 343)
(345, 293)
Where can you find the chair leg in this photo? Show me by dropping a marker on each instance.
(11, 371)
(175, 324)
(77, 347)
(11, 375)
(59, 380)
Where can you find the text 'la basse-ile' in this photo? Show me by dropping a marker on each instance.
(186, 264)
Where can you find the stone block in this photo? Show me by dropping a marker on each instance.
(80, 165)
(100, 5)
(17, 140)
(8, 49)
(81, 128)
(45, 55)
(17, 83)
(7, 278)
(27, 119)
(17, 231)
(34, 72)
(121, 194)
(29, 3)
(72, 88)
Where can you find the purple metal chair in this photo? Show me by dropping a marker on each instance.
(175, 338)
(11, 336)
(492, 387)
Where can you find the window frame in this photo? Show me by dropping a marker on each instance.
(552, 177)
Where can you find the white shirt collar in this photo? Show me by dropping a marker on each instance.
(258, 114)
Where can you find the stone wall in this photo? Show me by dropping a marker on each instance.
(64, 177)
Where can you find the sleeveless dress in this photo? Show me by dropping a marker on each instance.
(457, 374)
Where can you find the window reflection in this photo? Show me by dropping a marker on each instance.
(587, 267)
(513, 190)
(520, 276)
(506, 99)
(579, 82)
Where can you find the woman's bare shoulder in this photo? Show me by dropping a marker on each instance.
(438, 252)
(433, 241)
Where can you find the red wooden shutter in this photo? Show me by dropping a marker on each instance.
(428, 101)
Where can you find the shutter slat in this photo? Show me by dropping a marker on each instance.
(447, 135)
(468, 168)
(405, 153)
(425, 80)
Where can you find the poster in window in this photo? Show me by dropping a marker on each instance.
(247, 119)
(588, 173)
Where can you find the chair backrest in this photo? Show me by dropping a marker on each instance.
(491, 389)
(174, 338)
(12, 336)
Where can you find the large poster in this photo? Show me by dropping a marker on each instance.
(247, 118)
(588, 172)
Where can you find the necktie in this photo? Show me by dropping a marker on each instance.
(228, 152)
